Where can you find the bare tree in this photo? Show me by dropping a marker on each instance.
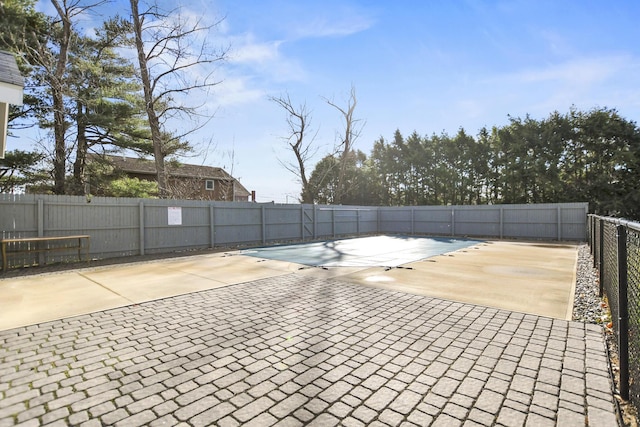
(298, 120)
(352, 130)
(172, 54)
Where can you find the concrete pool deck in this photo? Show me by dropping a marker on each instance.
(532, 278)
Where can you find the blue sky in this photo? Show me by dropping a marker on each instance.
(429, 66)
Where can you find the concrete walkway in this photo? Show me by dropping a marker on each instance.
(530, 278)
(295, 350)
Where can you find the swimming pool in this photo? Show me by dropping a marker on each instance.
(372, 251)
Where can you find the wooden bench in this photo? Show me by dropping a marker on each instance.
(44, 244)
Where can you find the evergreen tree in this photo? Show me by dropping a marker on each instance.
(592, 156)
(20, 170)
(108, 112)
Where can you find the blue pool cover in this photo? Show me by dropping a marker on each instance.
(374, 251)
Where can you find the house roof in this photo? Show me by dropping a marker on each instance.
(173, 168)
(11, 92)
(11, 81)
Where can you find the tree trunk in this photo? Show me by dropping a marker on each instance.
(57, 88)
(59, 131)
(154, 122)
(346, 146)
(81, 151)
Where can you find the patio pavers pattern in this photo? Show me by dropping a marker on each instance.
(296, 350)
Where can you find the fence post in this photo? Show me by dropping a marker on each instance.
(333, 222)
(40, 218)
(315, 222)
(601, 258)
(591, 230)
(41, 255)
(301, 222)
(453, 221)
(593, 236)
(413, 221)
(212, 226)
(595, 241)
(623, 312)
(559, 215)
(264, 224)
(141, 226)
(501, 221)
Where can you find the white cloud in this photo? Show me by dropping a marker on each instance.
(585, 82)
(247, 50)
(333, 26)
(263, 60)
(577, 72)
(235, 91)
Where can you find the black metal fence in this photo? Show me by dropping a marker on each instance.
(615, 245)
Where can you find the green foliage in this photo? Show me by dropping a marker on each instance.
(20, 169)
(579, 156)
(81, 87)
(107, 110)
(132, 187)
(323, 183)
(23, 29)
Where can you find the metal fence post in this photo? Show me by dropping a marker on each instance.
(592, 224)
(623, 312)
(590, 230)
(601, 258)
(594, 229)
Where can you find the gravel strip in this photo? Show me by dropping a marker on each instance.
(587, 305)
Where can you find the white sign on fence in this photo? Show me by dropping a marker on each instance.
(174, 214)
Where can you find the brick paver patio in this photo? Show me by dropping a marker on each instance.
(296, 350)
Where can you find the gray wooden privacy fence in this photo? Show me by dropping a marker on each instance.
(124, 227)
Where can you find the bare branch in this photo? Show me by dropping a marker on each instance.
(352, 130)
(299, 121)
(168, 48)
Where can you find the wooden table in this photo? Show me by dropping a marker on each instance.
(45, 244)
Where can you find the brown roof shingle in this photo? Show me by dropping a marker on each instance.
(173, 168)
(9, 72)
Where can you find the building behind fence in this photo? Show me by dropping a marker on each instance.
(615, 245)
(126, 227)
